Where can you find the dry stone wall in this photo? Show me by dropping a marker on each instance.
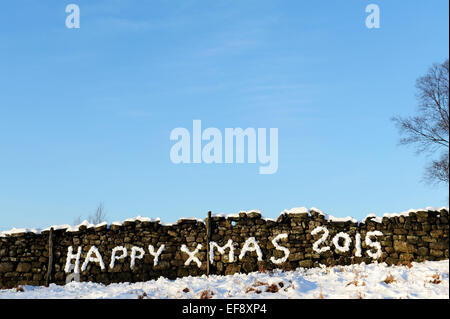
(143, 250)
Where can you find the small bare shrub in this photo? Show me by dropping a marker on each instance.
(142, 296)
(321, 295)
(206, 294)
(18, 288)
(436, 279)
(389, 279)
(273, 288)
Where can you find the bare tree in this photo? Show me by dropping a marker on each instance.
(96, 218)
(99, 215)
(77, 221)
(428, 130)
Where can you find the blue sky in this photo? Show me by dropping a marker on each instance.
(86, 114)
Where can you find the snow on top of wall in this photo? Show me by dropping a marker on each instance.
(67, 227)
(304, 210)
(225, 215)
(373, 217)
(237, 214)
(192, 218)
(132, 220)
(19, 231)
(404, 213)
(314, 209)
(342, 219)
(295, 210)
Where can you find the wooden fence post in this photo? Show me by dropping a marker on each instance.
(50, 257)
(208, 237)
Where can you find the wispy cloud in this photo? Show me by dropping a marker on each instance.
(276, 87)
(132, 25)
(239, 36)
(136, 113)
(126, 24)
(228, 47)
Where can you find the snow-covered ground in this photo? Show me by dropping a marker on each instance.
(417, 280)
